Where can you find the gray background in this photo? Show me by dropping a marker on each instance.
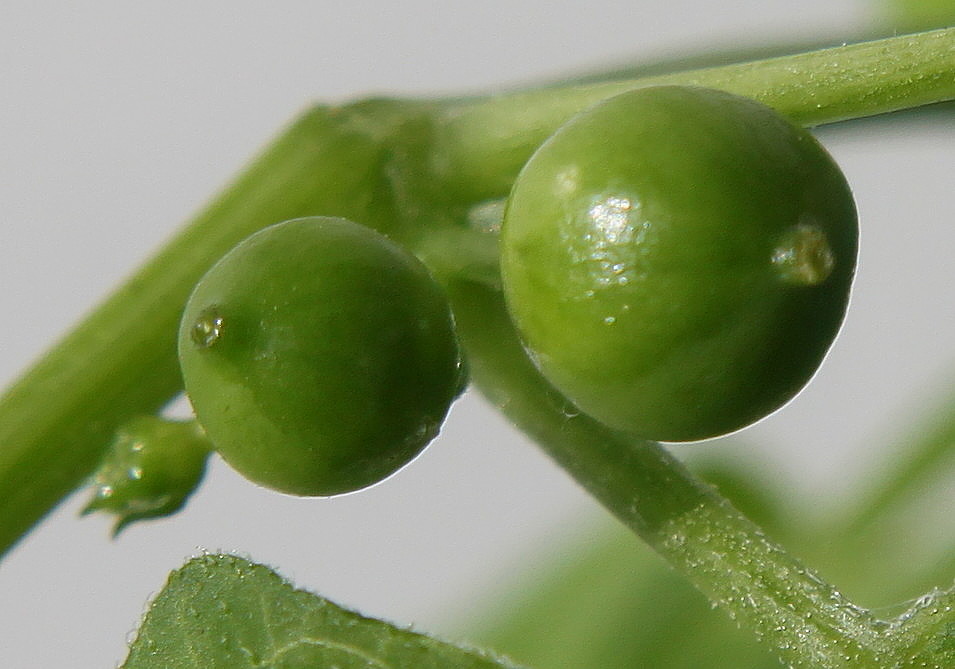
(119, 119)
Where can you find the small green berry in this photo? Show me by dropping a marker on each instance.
(319, 356)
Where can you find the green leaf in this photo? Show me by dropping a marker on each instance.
(224, 611)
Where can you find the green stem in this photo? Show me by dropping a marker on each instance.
(481, 145)
(805, 620)
(925, 635)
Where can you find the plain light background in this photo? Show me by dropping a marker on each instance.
(118, 120)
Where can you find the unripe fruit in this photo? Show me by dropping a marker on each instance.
(319, 356)
(678, 260)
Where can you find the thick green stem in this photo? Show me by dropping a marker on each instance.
(805, 620)
(482, 145)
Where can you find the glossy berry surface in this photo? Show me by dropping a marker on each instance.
(319, 356)
(678, 260)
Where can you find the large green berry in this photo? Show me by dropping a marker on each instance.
(678, 260)
(319, 356)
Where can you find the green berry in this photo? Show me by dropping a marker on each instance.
(319, 356)
(678, 260)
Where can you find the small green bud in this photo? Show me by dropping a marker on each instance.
(151, 469)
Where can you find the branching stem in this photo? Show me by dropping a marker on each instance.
(414, 170)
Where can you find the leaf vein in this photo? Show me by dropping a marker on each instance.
(333, 645)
